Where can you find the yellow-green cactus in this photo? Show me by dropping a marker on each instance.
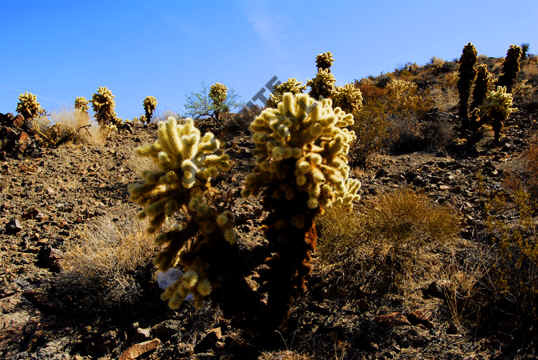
(314, 137)
(324, 61)
(218, 93)
(497, 107)
(291, 85)
(28, 106)
(322, 86)
(81, 104)
(348, 98)
(150, 103)
(103, 105)
(186, 162)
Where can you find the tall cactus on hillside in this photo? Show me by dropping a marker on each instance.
(466, 76)
(103, 105)
(150, 103)
(511, 67)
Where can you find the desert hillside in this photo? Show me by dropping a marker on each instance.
(438, 259)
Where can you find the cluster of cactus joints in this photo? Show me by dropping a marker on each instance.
(324, 61)
(81, 104)
(103, 105)
(186, 164)
(497, 107)
(322, 85)
(28, 106)
(467, 74)
(291, 85)
(150, 103)
(482, 84)
(301, 169)
(511, 67)
(348, 98)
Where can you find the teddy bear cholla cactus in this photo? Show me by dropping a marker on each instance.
(103, 105)
(324, 61)
(322, 86)
(465, 81)
(28, 106)
(150, 103)
(348, 98)
(497, 107)
(291, 85)
(186, 163)
(511, 67)
(301, 169)
(81, 104)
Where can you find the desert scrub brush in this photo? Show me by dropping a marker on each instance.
(291, 85)
(496, 108)
(511, 67)
(150, 103)
(301, 168)
(186, 162)
(467, 74)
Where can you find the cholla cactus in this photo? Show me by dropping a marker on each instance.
(218, 93)
(322, 86)
(291, 85)
(28, 106)
(301, 169)
(103, 105)
(324, 61)
(186, 163)
(510, 67)
(481, 85)
(81, 104)
(348, 98)
(465, 81)
(150, 103)
(497, 107)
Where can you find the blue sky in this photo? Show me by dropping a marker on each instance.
(62, 49)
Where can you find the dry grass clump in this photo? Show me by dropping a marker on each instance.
(74, 126)
(283, 355)
(396, 233)
(109, 259)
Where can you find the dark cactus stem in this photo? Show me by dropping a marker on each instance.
(291, 251)
(481, 87)
(511, 67)
(466, 77)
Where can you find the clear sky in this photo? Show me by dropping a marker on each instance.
(59, 49)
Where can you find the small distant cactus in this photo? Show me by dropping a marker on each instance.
(150, 103)
(466, 76)
(291, 85)
(348, 98)
(324, 61)
(511, 68)
(322, 86)
(81, 104)
(103, 105)
(28, 106)
(497, 107)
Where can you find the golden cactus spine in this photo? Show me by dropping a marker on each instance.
(511, 67)
(466, 76)
(150, 103)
